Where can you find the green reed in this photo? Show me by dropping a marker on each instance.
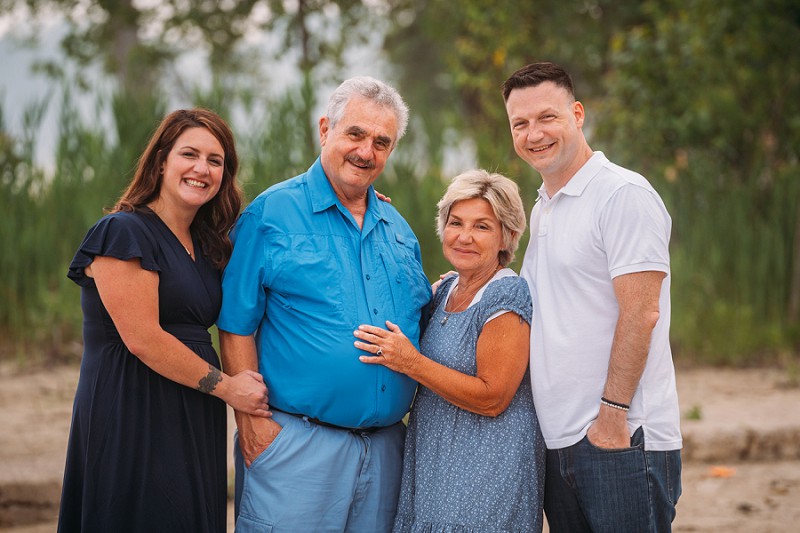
(732, 256)
(732, 247)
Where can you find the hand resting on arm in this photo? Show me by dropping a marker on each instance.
(502, 358)
(130, 295)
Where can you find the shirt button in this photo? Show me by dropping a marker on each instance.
(375, 311)
(367, 277)
(383, 388)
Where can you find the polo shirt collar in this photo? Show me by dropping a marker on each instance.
(586, 174)
(323, 196)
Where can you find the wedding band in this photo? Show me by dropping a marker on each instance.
(379, 353)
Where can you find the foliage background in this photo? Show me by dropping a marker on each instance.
(700, 96)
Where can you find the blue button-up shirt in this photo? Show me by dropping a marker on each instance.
(303, 276)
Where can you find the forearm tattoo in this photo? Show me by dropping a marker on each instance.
(209, 383)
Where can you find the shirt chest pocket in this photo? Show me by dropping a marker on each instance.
(308, 278)
(408, 285)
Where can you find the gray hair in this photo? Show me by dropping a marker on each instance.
(501, 193)
(374, 90)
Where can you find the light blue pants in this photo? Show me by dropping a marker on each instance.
(319, 479)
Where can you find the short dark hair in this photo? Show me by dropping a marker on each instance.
(535, 74)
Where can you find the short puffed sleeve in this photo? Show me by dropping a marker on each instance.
(510, 293)
(120, 235)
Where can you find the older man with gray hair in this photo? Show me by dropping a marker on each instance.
(314, 257)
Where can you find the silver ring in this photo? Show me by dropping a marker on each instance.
(379, 353)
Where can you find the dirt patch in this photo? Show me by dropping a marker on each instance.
(741, 428)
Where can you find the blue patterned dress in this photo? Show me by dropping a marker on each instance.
(464, 472)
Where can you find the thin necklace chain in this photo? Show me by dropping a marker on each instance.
(451, 299)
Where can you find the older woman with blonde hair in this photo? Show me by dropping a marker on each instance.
(474, 453)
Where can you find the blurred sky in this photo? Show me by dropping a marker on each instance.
(21, 87)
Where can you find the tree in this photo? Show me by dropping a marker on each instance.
(707, 91)
(698, 96)
(452, 58)
(134, 43)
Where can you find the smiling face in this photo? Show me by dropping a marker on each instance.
(355, 150)
(472, 237)
(546, 129)
(192, 171)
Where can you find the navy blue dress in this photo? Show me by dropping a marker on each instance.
(145, 453)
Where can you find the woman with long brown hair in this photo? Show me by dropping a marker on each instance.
(147, 447)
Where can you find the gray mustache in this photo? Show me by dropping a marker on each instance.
(359, 161)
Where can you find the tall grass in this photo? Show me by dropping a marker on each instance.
(732, 257)
(732, 247)
(46, 214)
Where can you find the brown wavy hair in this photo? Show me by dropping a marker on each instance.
(214, 219)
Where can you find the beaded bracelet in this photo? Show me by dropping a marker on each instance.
(615, 405)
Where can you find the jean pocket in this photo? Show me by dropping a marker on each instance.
(637, 443)
(247, 524)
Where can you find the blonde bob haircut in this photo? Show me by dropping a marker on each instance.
(501, 193)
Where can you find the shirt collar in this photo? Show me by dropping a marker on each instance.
(586, 174)
(578, 183)
(324, 197)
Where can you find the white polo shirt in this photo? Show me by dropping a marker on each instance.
(605, 222)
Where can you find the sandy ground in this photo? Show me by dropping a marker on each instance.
(741, 458)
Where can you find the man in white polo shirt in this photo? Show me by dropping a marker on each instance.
(601, 366)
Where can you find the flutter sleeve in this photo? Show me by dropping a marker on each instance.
(120, 235)
(506, 294)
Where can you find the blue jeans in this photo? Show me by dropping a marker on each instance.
(597, 490)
